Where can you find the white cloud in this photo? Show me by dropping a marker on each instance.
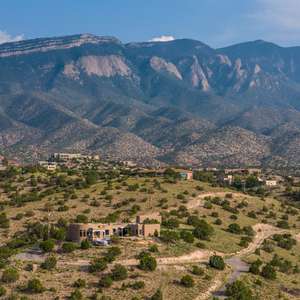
(7, 38)
(163, 38)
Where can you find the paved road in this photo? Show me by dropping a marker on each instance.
(239, 267)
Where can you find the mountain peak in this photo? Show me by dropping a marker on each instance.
(53, 43)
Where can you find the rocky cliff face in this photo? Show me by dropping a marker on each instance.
(179, 101)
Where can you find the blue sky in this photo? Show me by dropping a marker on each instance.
(215, 22)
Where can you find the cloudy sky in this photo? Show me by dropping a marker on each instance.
(215, 22)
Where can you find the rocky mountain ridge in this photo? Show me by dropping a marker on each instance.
(179, 102)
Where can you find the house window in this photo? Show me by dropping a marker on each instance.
(141, 231)
(80, 233)
(106, 232)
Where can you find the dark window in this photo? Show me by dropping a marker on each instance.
(106, 232)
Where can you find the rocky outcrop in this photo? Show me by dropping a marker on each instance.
(160, 65)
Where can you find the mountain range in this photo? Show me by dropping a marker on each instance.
(180, 102)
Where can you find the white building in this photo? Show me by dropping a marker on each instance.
(73, 156)
(50, 166)
(271, 183)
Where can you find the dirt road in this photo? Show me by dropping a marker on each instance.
(198, 201)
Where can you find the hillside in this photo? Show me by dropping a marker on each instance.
(179, 102)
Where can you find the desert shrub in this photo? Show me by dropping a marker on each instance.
(81, 219)
(49, 263)
(217, 262)
(58, 233)
(98, 265)
(137, 285)
(2, 291)
(187, 236)
(76, 295)
(68, 247)
(85, 244)
(19, 216)
(47, 246)
(10, 275)
(234, 228)
(283, 224)
(208, 205)
(112, 254)
(105, 281)
(252, 214)
(147, 262)
(35, 286)
(196, 270)
(169, 236)
(248, 230)
(193, 220)
(239, 291)
(4, 221)
(203, 231)
(79, 283)
(119, 272)
(284, 241)
(255, 267)
(158, 295)
(218, 222)
(171, 223)
(187, 281)
(153, 248)
(269, 272)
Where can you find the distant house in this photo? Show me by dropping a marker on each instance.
(50, 166)
(271, 183)
(211, 169)
(73, 156)
(228, 179)
(129, 164)
(145, 226)
(186, 175)
(249, 171)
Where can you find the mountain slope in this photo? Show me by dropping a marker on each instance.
(181, 102)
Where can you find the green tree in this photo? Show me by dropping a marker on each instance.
(269, 272)
(98, 265)
(112, 254)
(187, 236)
(81, 219)
(234, 228)
(217, 262)
(203, 231)
(106, 281)
(255, 267)
(68, 247)
(119, 273)
(239, 291)
(49, 263)
(47, 246)
(187, 281)
(85, 244)
(147, 262)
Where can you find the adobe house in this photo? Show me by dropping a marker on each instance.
(186, 175)
(145, 226)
